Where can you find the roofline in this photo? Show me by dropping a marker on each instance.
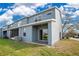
(35, 14)
(44, 11)
(35, 23)
(41, 12)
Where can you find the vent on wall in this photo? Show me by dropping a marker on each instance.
(24, 34)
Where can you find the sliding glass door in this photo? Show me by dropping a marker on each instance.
(43, 34)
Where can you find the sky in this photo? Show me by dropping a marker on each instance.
(12, 12)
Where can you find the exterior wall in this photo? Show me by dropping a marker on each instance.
(21, 32)
(54, 29)
(5, 28)
(23, 22)
(44, 16)
(59, 22)
(13, 25)
(8, 33)
(53, 33)
(18, 24)
(0, 32)
(28, 36)
(35, 34)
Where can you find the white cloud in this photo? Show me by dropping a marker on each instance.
(18, 9)
(73, 16)
(26, 9)
(9, 13)
(74, 5)
(39, 4)
(1, 9)
(31, 5)
(77, 13)
(7, 17)
(23, 10)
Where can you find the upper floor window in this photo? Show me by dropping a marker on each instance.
(36, 20)
(39, 18)
(27, 20)
(49, 13)
(8, 26)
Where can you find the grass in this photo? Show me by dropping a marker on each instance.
(61, 48)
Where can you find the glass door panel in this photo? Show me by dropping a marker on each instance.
(44, 34)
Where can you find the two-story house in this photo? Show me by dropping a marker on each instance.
(44, 27)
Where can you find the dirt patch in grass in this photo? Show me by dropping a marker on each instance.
(67, 47)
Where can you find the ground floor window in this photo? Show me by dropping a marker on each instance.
(14, 32)
(5, 34)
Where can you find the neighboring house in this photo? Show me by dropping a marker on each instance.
(44, 27)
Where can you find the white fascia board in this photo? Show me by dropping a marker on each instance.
(36, 23)
(39, 22)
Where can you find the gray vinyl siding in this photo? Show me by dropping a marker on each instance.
(44, 16)
(28, 36)
(59, 22)
(35, 34)
(0, 32)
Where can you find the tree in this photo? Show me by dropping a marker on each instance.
(71, 32)
(67, 25)
(66, 21)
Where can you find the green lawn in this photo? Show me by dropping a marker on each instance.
(15, 48)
